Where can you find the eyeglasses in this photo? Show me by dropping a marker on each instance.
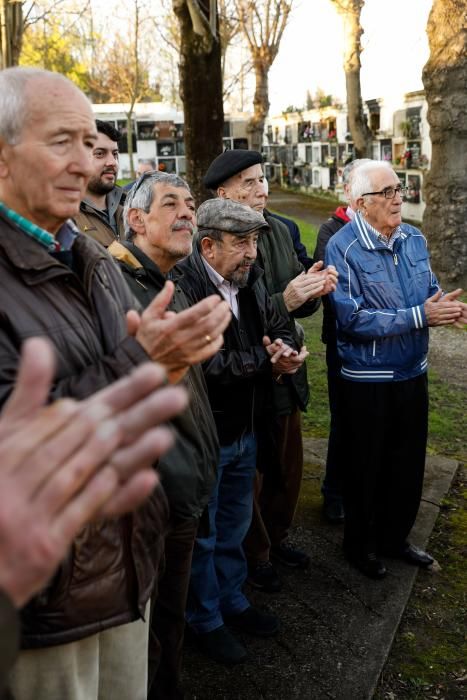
(389, 192)
(140, 181)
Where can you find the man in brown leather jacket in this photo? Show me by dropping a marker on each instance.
(77, 634)
(101, 211)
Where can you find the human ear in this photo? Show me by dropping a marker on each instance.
(136, 221)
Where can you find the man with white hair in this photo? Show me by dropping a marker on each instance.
(386, 298)
(85, 635)
(331, 489)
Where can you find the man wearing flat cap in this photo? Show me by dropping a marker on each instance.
(257, 346)
(238, 176)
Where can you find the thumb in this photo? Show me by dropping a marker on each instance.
(316, 267)
(34, 379)
(133, 319)
(266, 340)
(436, 297)
(161, 301)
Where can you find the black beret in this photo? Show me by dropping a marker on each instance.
(228, 164)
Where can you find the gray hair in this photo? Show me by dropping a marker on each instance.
(147, 161)
(361, 180)
(351, 166)
(13, 107)
(141, 195)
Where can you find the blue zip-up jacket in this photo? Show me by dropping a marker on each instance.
(379, 303)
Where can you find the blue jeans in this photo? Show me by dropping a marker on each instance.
(219, 567)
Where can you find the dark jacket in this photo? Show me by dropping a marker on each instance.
(9, 640)
(188, 470)
(326, 231)
(300, 250)
(95, 223)
(108, 576)
(279, 261)
(239, 375)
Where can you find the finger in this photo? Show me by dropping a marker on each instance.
(156, 408)
(129, 390)
(316, 267)
(34, 379)
(143, 453)
(68, 459)
(133, 321)
(436, 296)
(452, 296)
(266, 340)
(43, 441)
(84, 506)
(161, 301)
(131, 494)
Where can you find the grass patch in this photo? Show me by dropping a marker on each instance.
(308, 232)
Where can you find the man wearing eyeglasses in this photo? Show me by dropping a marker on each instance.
(386, 298)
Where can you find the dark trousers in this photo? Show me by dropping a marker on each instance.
(333, 483)
(276, 495)
(386, 427)
(168, 613)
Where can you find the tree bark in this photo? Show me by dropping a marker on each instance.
(260, 104)
(445, 193)
(201, 93)
(11, 35)
(361, 134)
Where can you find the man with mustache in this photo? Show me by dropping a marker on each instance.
(160, 220)
(257, 346)
(101, 211)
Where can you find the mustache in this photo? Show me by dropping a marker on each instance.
(178, 225)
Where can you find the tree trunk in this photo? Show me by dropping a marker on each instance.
(201, 93)
(11, 35)
(445, 78)
(361, 134)
(260, 104)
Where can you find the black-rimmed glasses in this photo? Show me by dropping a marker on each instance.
(140, 181)
(389, 192)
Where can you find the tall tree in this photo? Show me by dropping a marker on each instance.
(12, 26)
(350, 11)
(200, 87)
(445, 78)
(263, 23)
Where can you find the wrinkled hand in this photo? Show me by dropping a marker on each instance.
(291, 364)
(454, 296)
(62, 465)
(330, 273)
(180, 340)
(277, 349)
(443, 310)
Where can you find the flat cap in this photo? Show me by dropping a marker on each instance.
(230, 217)
(228, 164)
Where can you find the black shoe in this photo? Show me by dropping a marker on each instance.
(290, 556)
(413, 555)
(221, 646)
(254, 622)
(333, 511)
(367, 564)
(263, 576)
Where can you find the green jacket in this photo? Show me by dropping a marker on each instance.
(280, 263)
(188, 470)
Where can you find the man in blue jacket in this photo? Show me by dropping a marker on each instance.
(386, 298)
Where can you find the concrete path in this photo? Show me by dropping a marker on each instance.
(337, 625)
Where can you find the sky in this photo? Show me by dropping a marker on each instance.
(310, 55)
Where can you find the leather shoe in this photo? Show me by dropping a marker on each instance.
(221, 646)
(253, 621)
(291, 556)
(368, 564)
(413, 555)
(333, 511)
(263, 577)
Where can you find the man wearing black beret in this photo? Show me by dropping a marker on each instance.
(238, 175)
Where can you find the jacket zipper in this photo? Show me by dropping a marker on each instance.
(374, 348)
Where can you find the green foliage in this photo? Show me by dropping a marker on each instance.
(46, 45)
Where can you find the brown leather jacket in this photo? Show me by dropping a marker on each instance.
(93, 222)
(108, 576)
